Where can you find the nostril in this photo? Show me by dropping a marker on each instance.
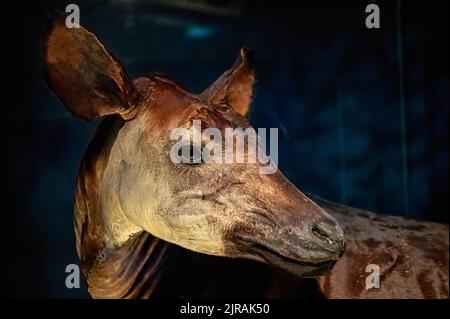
(322, 235)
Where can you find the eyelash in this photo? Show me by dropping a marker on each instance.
(192, 157)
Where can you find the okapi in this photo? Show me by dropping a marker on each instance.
(135, 208)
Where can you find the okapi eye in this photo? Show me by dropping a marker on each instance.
(190, 154)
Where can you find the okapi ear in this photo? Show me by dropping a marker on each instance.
(84, 75)
(235, 86)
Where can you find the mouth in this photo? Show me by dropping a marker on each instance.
(301, 268)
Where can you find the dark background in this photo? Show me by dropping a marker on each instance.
(362, 114)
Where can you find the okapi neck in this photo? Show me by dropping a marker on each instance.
(131, 270)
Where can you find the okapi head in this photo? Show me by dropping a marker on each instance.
(219, 209)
